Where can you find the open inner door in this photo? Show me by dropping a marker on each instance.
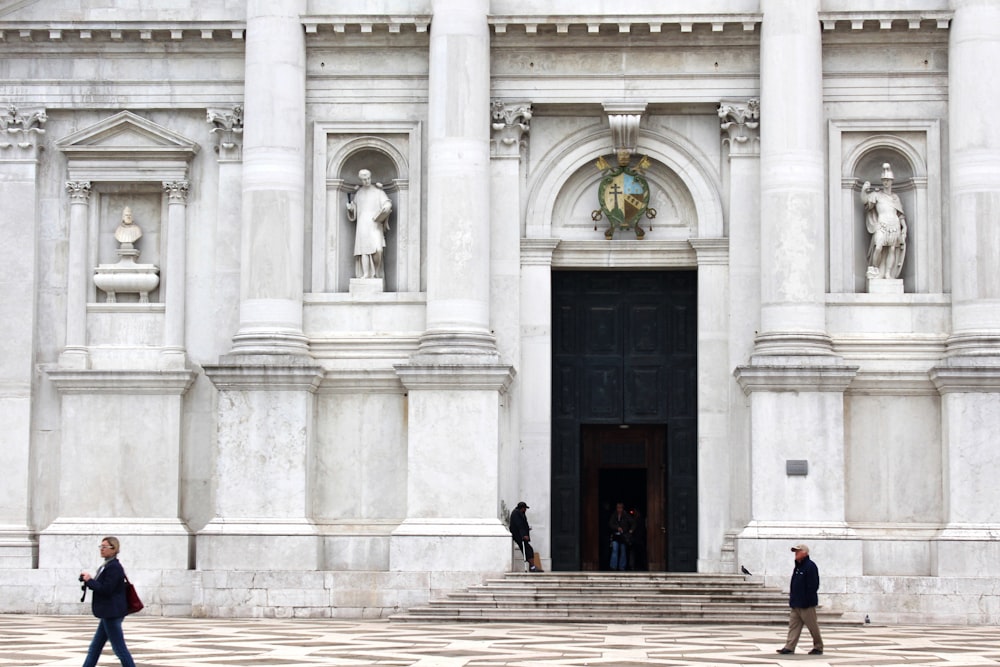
(624, 464)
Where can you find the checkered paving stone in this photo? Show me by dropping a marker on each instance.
(61, 641)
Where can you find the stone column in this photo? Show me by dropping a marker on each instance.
(266, 384)
(793, 204)
(535, 391)
(274, 162)
(511, 123)
(458, 182)
(174, 355)
(741, 135)
(74, 354)
(969, 377)
(795, 383)
(20, 146)
(455, 380)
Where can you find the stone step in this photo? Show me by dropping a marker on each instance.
(626, 597)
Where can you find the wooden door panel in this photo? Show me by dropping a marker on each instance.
(624, 352)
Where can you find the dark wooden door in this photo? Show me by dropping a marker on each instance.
(624, 354)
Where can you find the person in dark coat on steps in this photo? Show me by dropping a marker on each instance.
(520, 532)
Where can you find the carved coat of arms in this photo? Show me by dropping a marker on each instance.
(624, 197)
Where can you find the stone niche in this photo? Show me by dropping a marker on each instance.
(128, 161)
(391, 152)
(129, 274)
(857, 152)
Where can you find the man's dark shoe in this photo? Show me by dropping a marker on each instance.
(533, 569)
(816, 651)
(785, 651)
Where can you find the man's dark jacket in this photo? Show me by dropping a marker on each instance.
(109, 591)
(519, 527)
(802, 592)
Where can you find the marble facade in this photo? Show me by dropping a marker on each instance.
(269, 436)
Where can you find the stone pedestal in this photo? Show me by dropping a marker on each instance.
(885, 285)
(452, 521)
(366, 286)
(122, 481)
(262, 490)
(127, 277)
(797, 462)
(147, 542)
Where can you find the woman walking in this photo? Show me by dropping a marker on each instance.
(108, 604)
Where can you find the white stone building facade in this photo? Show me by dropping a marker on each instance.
(269, 435)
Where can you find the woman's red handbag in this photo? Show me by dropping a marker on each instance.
(132, 598)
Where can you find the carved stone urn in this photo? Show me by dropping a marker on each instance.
(127, 277)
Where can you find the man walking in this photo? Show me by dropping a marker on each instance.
(803, 600)
(520, 532)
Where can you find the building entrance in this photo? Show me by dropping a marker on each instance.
(624, 411)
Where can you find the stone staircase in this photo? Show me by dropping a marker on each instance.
(624, 597)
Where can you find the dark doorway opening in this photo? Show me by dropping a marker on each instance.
(627, 486)
(624, 414)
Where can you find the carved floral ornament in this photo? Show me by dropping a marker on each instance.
(22, 127)
(510, 122)
(228, 122)
(740, 120)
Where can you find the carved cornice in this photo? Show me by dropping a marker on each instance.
(119, 31)
(830, 378)
(228, 123)
(89, 381)
(366, 23)
(177, 191)
(510, 123)
(79, 191)
(740, 120)
(914, 20)
(654, 23)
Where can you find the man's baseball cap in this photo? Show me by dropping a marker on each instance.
(800, 547)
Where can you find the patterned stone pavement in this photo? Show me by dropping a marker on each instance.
(50, 641)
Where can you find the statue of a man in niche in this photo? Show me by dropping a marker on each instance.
(886, 223)
(127, 232)
(369, 209)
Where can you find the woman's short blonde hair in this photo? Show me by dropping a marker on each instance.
(113, 541)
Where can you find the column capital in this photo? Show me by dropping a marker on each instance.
(740, 123)
(227, 125)
(177, 191)
(510, 122)
(79, 191)
(23, 129)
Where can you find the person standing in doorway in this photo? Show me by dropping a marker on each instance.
(520, 532)
(621, 527)
(803, 599)
(109, 605)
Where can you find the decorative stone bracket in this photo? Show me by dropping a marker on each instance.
(624, 119)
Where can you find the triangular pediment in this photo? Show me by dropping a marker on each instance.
(18, 9)
(129, 132)
(123, 142)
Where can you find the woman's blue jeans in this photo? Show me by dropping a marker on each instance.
(109, 629)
